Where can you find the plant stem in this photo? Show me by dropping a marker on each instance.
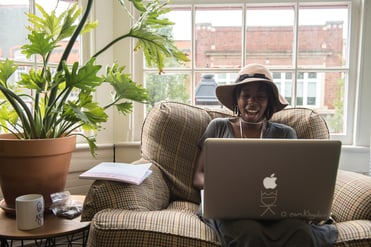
(22, 110)
(70, 44)
(110, 44)
(75, 35)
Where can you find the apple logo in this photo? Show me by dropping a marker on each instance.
(270, 182)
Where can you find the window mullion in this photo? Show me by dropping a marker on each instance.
(244, 28)
(32, 10)
(295, 55)
(193, 50)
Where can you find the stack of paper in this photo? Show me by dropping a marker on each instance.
(122, 172)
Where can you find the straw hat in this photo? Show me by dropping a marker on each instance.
(250, 73)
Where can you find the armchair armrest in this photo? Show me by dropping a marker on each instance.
(152, 194)
(352, 197)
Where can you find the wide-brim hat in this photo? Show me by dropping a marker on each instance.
(250, 73)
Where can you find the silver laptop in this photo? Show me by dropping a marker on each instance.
(269, 179)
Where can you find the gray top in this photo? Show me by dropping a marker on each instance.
(222, 128)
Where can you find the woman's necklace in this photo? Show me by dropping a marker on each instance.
(263, 122)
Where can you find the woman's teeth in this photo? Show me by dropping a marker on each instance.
(252, 111)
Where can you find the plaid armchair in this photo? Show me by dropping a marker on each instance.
(162, 210)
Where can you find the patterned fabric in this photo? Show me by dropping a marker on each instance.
(152, 194)
(307, 123)
(352, 197)
(170, 135)
(178, 225)
(162, 210)
(350, 231)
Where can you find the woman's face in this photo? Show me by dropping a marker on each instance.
(252, 102)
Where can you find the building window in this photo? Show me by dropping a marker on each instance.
(307, 92)
(309, 57)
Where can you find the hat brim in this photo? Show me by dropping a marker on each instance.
(224, 93)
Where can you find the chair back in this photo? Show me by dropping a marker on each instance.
(171, 132)
(307, 123)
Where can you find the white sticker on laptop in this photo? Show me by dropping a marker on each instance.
(269, 195)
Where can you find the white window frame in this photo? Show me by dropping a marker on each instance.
(351, 125)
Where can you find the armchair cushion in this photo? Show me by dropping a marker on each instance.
(307, 123)
(178, 225)
(352, 197)
(351, 209)
(152, 194)
(354, 233)
(170, 135)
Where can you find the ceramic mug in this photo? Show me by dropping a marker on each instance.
(29, 211)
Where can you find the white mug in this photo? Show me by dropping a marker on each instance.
(29, 211)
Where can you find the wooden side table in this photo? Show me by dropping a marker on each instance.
(46, 235)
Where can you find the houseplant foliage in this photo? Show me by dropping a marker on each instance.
(62, 100)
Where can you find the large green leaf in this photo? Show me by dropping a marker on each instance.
(124, 88)
(148, 32)
(84, 77)
(7, 68)
(68, 27)
(33, 80)
(40, 44)
(85, 110)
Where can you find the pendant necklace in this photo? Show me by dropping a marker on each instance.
(261, 131)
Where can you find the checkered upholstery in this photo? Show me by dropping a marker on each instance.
(153, 194)
(352, 198)
(177, 225)
(162, 210)
(307, 123)
(170, 135)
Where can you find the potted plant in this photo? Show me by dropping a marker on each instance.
(61, 101)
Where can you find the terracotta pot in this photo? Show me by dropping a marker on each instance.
(33, 166)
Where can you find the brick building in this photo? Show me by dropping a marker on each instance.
(319, 46)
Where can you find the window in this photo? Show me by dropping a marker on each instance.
(11, 40)
(309, 57)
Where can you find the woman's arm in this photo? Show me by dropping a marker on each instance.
(218, 127)
(198, 177)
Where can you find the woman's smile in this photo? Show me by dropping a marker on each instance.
(251, 115)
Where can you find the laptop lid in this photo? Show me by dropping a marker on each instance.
(269, 179)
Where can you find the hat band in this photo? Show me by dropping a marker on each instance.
(247, 76)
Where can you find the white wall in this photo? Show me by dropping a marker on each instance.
(357, 157)
(82, 160)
